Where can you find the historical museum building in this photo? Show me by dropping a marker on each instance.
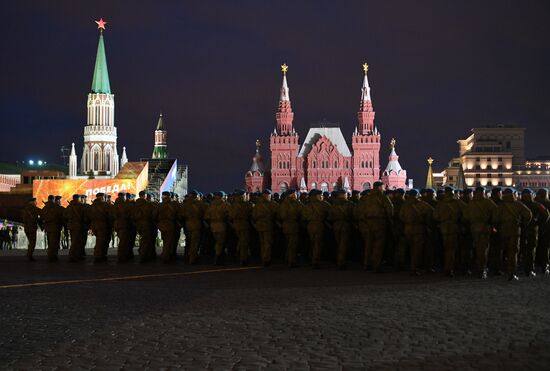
(324, 160)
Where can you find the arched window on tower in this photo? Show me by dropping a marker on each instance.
(108, 160)
(95, 165)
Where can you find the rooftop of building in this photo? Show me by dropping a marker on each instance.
(25, 166)
(334, 134)
(499, 125)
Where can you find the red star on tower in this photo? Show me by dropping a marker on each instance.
(101, 24)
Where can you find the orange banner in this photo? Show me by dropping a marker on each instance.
(66, 188)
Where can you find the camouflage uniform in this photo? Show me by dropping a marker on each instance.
(52, 215)
(101, 223)
(398, 251)
(217, 215)
(529, 237)
(75, 219)
(374, 213)
(192, 213)
(122, 220)
(167, 213)
(144, 215)
(543, 250)
(315, 214)
(290, 214)
(416, 215)
(479, 215)
(240, 215)
(31, 221)
(341, 215)
(264, 215)
(495, 245)
(448, 214)
(509, 218)
(433, 240)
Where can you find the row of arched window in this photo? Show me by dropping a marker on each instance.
(324, 164)
(284, 164)
(365, 164)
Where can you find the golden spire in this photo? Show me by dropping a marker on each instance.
(365, 68)
(284, 68)
(392, 143)
(258, 145)
(430, 177)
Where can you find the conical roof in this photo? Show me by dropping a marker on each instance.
(393, 163)
(100, 82)
(257, 160)
(430, 177)
(461, 180)
(160, 123)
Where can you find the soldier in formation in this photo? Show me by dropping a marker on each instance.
(427, 230)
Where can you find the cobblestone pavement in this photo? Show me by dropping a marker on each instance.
(266, 319)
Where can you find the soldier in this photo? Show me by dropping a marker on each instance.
(465, 241)
(448, 214)
(52, 214)
(166, 221)
(479, 216)
(433, 248)
(144, 217)
(399, 242)
(100, 218)
(543, 249)
(75, 219)
(217, 215)
(132, 231)
(191, 213)
(174, 197)
(509, 217)
(529, 238)
(495, 246)
(290, 214)
(121, 217)
(416, 217)
(240, 215)
(31, 221)
(375, 215)
(87, 223)
(264, 215)
(315, 215)
(340, 214)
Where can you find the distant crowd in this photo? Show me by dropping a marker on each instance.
(469, 231)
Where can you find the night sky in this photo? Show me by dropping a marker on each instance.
(437, 69)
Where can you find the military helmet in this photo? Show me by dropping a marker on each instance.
(412, 192)
(542, 191)
(526, 191)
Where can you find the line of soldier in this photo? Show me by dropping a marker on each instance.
(462, 230)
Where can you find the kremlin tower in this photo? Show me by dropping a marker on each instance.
(160, 150)
(100, 155)
(324, 160)
(394, 176)
(365, 141)
(257, 177)
(283, 142)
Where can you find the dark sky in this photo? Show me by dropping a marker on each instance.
(437, 69)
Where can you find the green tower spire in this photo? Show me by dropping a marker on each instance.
(100, 83)
(160, 151)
